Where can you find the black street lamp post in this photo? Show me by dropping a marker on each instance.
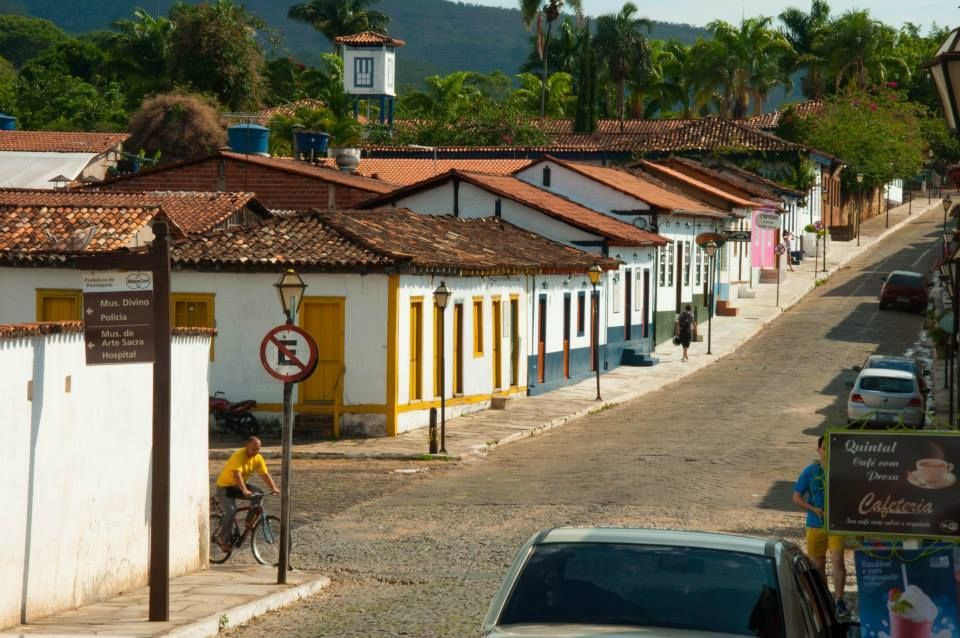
(711, 249)
(441, 296)
(595, 273)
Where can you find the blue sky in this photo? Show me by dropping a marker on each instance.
(699, 12)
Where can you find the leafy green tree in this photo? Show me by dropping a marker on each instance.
(536, 11)
(8, 87)
(137, 53)
(63, 102)
(564, 49)
(80, 58)
(667, 83)
(877, 133)
(559, 94)
(334, 18)
(861, 51)
(177, 127)
(623, 49)
(214, 50)
(23, 38)
(806, 33)
(445, 97)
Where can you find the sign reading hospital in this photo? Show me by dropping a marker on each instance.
(902, 484)
(118, 317)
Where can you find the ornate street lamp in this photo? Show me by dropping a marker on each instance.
(711, 249)
(595, 272)
(945, 69)
(441, 296)
(290, 289)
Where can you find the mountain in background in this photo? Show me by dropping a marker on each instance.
(441, 36)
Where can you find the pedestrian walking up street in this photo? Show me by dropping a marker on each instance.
(685, 330)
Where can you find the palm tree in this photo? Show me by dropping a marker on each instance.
(564, 49)
(559, 93)
(861, 50)
(446, 97)
(806, 33)
(137, 49)
(667, 82)
(334, 18)
(740, 66)
(535, 11)
(623, 47)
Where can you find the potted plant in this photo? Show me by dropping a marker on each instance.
(810, 239)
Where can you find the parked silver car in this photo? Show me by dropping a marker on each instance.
(580, 582)
(893, 362)
(882, 397)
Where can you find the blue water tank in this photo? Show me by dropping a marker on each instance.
(7, 122)
(249, 138)
(311, 144)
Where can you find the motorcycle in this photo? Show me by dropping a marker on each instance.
(234, 417)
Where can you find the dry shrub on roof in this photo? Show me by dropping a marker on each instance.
(178, 126)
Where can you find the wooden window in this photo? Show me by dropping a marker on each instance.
(416, 349)
(363, 72)
(581, 312)
(59, 305)
(686, 262)
(478, 327)
(193, 310)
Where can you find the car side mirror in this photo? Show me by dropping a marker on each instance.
(856, 368)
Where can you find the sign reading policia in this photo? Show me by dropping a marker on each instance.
(893, 484)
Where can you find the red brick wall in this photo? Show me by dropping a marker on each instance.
(274, 188)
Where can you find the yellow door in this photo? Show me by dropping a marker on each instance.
(458, 349)
(497, 345)
(416, 350)
(323, 319)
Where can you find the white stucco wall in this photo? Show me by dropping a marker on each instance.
(579, 188)
(384, 75)
(78, 443)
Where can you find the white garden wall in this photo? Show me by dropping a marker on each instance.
(78, 443)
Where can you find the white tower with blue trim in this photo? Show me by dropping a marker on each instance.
(369, 69)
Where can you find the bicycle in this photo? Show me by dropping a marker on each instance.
(263, 529)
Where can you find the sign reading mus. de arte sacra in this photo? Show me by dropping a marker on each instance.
(893, 484)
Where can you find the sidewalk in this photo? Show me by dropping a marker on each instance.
(201, 604)
(477, 433)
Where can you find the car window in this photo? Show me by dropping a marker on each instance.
(887, 384)
(807, 582)
(888, 364)
(906, 281)
(650, 586)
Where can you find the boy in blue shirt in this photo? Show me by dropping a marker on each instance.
(808, 494)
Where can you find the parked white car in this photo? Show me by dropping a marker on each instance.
(606, 582)
(883, 397)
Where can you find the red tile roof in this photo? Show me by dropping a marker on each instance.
(367, 39)
(615, 231)
(640, 187)
(193, 212)
(39, 329)
(770, 121)
(755, 185)
(60, 141)
(287, 165)
(674, 174)
(405, 171)
(290, 108)
(35, 228)
(350, 241)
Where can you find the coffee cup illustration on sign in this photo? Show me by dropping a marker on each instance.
(932, 474)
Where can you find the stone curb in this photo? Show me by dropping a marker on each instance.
(482, 450)
(241, 614)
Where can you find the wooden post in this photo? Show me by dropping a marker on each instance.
(160, 455)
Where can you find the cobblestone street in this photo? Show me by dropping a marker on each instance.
(417, 549)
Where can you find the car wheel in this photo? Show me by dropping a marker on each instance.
(883, 306)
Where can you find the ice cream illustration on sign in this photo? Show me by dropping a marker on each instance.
(912, 613)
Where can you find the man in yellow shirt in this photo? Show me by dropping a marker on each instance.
(232, 484)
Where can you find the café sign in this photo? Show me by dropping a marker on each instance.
(893, 483)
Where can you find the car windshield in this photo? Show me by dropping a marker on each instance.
(648, 586)
(887, 384)
(907, 281)
(892, 364)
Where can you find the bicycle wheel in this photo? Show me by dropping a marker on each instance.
(265, 541)
(217, 554)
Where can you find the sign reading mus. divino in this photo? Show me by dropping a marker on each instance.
(893, 484)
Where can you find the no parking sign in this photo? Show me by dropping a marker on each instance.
(288, 354)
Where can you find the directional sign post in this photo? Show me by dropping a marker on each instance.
(289, 354)
(118, 317)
